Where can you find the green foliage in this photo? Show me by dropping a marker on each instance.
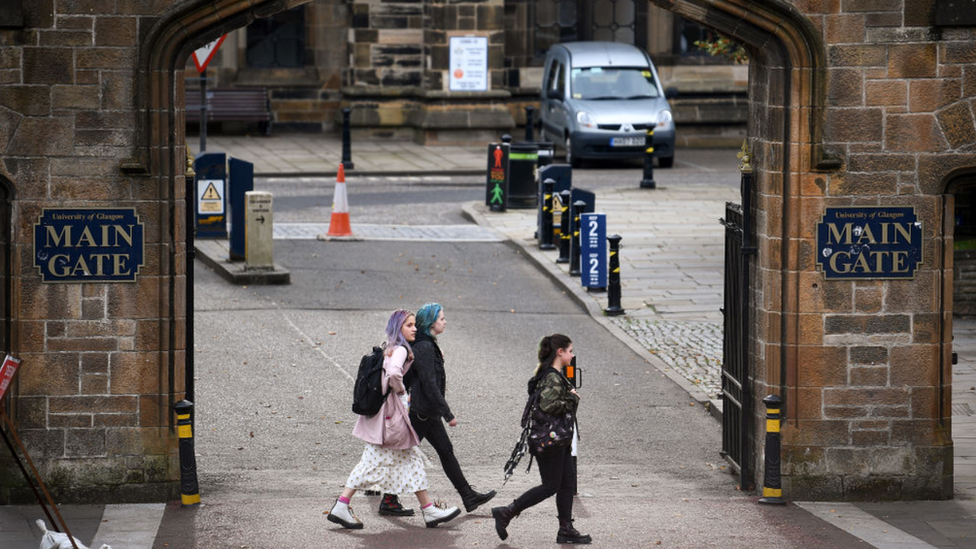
(724, 47)
(964, 243)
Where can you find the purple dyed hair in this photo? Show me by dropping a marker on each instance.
(394, 335)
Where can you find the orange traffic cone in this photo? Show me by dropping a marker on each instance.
(339, 224)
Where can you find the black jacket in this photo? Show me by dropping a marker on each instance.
(428, 379)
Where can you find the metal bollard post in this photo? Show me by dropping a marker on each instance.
(772, 481)
(564, 198)
(529, 111)
(346, 140)
(578, 208)
(613, 279)
(648, 181)
(545, 239)
(189, 488)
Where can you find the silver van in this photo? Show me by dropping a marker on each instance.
(599, 98)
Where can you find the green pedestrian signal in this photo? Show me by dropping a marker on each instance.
(496, 194)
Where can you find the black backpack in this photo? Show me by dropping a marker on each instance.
(367, 394)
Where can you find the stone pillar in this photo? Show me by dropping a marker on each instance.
(862, 363)
(99, 358)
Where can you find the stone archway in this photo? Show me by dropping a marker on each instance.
(787, 101)
(787, 104)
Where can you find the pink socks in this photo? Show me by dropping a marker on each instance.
(343, 499)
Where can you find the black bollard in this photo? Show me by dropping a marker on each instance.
(545, 239)
(648, 181)
(346, 140)
(772, 481)
(564, 236)
(578, 207)
(529, 111)
(506, 138)
(189, 488)
(613, 278)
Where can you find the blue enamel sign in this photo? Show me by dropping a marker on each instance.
(89, 245)
(869, 243)
(593, 250)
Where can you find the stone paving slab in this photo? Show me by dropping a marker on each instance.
(321, 154)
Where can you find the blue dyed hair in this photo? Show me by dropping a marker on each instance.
(427, 316)
(394, 333)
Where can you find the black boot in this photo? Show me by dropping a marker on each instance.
(503, 515)
(472, 500)
(391, 506)
(568, 534)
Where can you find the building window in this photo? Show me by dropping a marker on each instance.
(555, 22)
(277, 41)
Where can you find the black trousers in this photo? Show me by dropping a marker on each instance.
(432, 428)
(558, 472)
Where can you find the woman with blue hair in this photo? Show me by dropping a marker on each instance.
(428, 407)
(391, 459)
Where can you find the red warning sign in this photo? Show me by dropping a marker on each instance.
(202, 56)
(7, 371)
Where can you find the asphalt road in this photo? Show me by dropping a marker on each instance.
(274, 373)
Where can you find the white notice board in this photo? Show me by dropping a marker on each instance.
(469, 63)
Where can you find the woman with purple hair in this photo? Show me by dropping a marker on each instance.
(391, 459)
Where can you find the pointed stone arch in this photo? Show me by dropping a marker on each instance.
(787, 114)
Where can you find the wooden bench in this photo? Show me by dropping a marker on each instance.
(231, 105)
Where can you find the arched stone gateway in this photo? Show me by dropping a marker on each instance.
(858, 110)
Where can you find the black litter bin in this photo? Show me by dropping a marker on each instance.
(522, 189)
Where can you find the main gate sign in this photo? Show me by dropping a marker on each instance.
(89, 245)
(869, 243)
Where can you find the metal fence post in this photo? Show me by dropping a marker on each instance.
(346, 140)
(529, 110)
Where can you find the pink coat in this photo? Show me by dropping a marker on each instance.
(390, 427)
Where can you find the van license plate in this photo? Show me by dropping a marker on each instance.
(627, 141)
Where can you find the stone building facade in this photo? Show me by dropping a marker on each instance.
(852, 103)
(388, 61)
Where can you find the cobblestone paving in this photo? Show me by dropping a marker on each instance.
(693, 349)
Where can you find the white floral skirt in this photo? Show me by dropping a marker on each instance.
(390, 470)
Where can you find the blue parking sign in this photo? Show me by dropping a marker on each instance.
(593, 250)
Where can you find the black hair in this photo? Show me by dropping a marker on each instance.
(548, 347)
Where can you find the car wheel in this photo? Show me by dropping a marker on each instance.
(665, 161)
(572, 160)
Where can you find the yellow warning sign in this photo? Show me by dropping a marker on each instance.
(210, 196)
(211, 193)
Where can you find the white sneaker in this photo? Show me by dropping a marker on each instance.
(435, 515)
(342, 514)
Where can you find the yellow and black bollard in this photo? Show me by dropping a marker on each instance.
(578, 208)
(545, 238)
(613, 278)
(772, 493)
(648, 181)
(564, 236)
(189, 488)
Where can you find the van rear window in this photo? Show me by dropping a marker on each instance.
(606, 83)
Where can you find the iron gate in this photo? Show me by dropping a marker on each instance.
(736, 389)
